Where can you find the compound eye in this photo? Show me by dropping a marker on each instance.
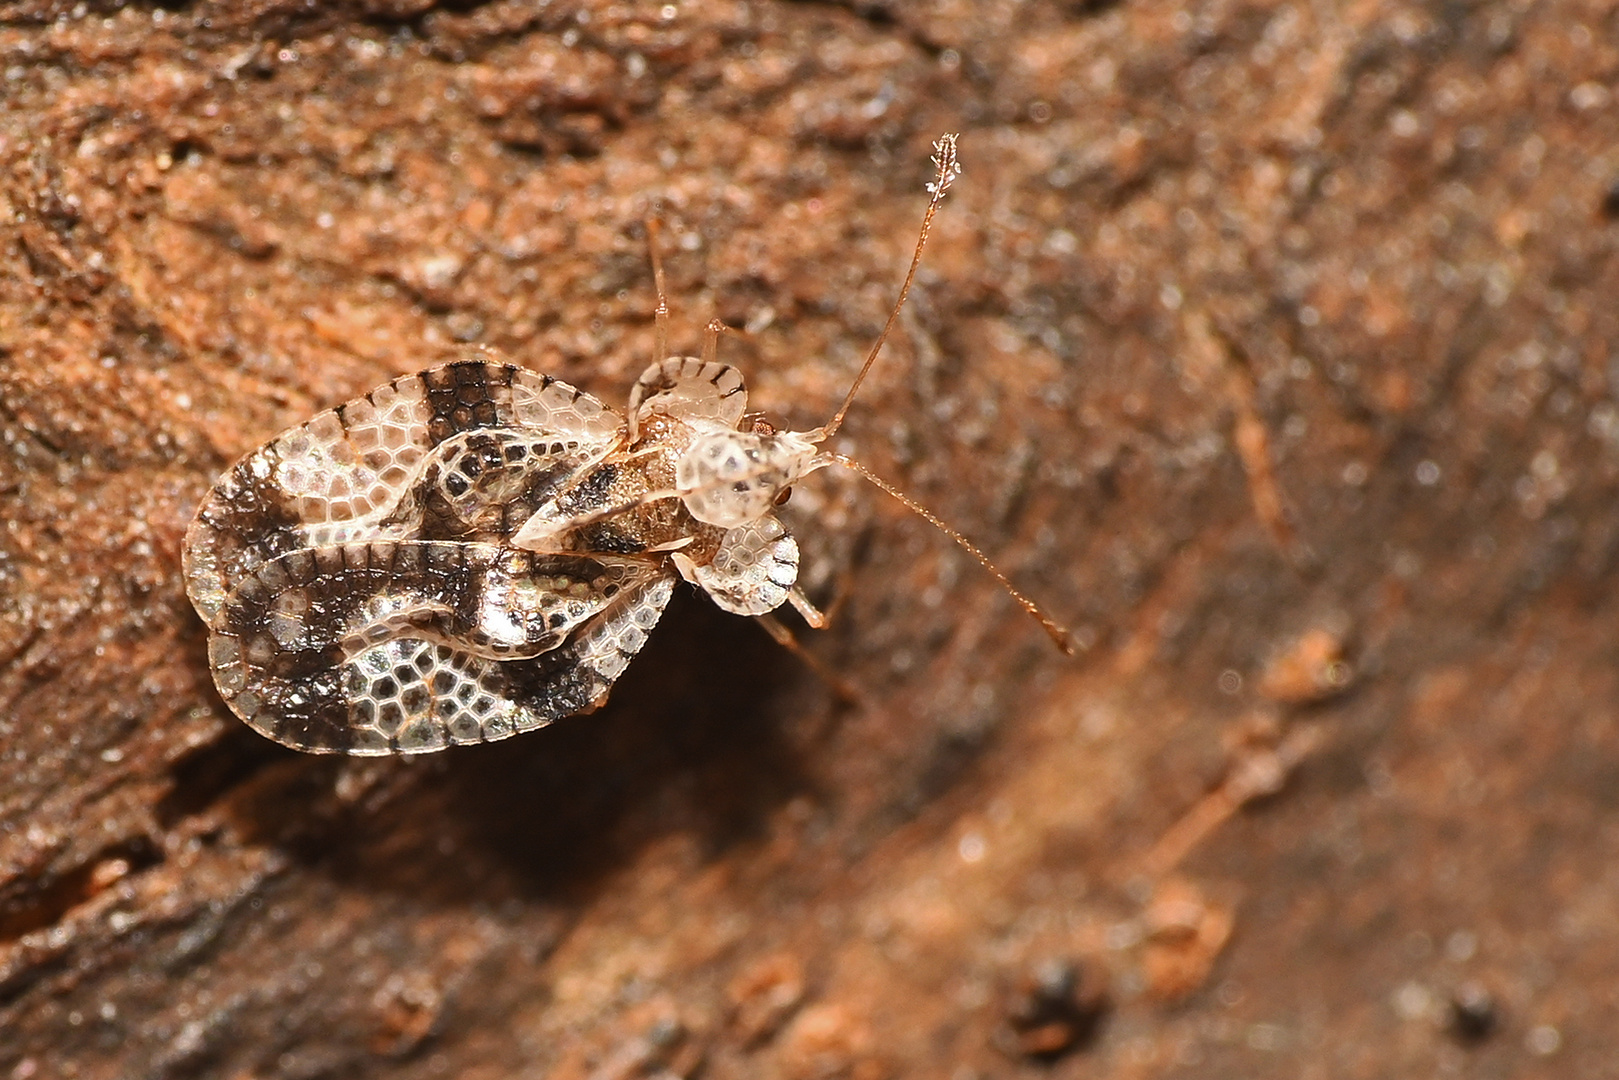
(783, 495)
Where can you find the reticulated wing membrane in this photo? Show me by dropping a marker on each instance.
(391, 648)
(355, 473)
(753, 569)
(687, 389)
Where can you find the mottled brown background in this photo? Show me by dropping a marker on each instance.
(1270, 344)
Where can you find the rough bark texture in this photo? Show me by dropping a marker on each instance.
(1270, 344)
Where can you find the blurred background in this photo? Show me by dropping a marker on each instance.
(1269, 345)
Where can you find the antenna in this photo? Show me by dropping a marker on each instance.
(1057, 632)
(946, 169)
(660, 314)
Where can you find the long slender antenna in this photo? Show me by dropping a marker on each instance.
(660, 314)
(947, 168)
(1057, 632)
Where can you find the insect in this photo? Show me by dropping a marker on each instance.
(476, 550)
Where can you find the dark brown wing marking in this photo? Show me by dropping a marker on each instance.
(382, 647)
(353, 473)
(691, 389)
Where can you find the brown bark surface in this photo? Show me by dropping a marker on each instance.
(1270, 344)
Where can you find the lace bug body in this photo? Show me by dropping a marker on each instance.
(467, 553)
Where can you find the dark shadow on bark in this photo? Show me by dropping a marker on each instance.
(683, 745)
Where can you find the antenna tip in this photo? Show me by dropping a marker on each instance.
(1065, 641)
(946, 166)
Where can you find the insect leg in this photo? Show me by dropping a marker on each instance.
(812, 615)
(841, 687)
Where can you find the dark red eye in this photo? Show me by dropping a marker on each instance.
(783, 495)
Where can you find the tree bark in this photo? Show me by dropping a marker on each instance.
(1269, 347)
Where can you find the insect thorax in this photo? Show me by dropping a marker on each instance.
(611, 506)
